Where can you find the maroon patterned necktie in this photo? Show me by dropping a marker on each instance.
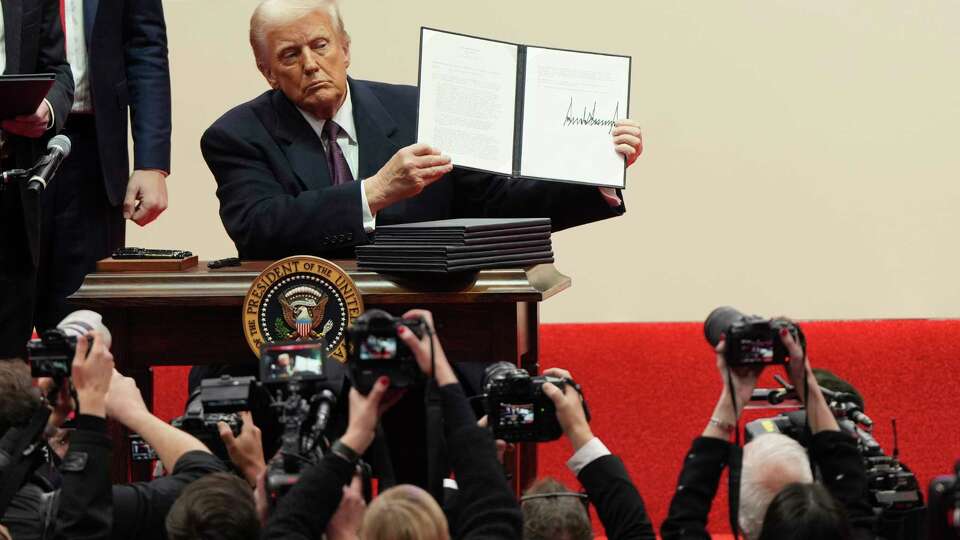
(339, 170)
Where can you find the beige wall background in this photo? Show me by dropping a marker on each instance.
(801, 157)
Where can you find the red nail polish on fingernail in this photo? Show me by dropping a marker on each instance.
(783, 332)
(402, 330)
(384, 380)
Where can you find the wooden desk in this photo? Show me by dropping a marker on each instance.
(194, 317)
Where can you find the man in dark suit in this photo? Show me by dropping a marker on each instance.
(32, 42)
(286, 162)
(118, 54)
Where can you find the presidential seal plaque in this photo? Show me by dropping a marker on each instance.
(301, 298)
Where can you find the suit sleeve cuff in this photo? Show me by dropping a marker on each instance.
(369, 220)
(593, 450)
(53, 115)
(611, 197)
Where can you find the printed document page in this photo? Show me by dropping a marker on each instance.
(468, 99)
(571, 101)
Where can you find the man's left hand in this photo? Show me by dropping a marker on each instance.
(146, 196)
(627, 139)
(29, 125)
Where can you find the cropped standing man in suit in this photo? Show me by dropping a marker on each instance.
(31, 41)
(314, 165)
(118, 54)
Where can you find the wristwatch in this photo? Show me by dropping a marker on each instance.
(344, 452)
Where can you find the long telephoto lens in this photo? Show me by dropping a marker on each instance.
(718, 322)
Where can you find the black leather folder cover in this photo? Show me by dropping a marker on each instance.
(22, 94)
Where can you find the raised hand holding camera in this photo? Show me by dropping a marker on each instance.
(569, 406)
(92, 371)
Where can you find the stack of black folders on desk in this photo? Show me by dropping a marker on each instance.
(457, 245)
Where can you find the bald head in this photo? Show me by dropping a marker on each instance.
(271, 14)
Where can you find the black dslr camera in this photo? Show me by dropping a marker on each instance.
(51, 355)
(217, 400)
(375, 350)
(751, 340)
(517, 409)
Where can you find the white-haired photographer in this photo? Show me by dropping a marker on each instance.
(778, 498)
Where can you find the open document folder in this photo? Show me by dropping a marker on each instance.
(523, 111)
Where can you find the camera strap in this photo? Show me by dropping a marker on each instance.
(437, 467)
(734, 465)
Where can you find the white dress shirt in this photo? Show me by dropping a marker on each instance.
(593, 450)
(77, 55)
(347, 139)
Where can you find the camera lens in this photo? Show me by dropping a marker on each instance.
(82, 322)
(718, 322)
(498, 370)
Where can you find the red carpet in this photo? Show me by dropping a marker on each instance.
(652, 386)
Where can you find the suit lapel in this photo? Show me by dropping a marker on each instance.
(303, 148)
(89, 17)
(375, 129)
(12, 25)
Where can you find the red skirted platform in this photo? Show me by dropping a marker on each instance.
(652, 386)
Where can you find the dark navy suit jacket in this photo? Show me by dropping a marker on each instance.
(276, 198)
(127, 46)
(33, 41)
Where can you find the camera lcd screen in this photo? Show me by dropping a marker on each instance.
(516, 414)
(282, 363)
(756, 350)
(378, 348)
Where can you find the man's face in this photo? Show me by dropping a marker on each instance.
(307, 60)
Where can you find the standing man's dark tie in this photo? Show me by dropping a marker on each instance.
(339, 170)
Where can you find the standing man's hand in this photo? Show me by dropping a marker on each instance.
(146, 196)
(406, 174)
(29, 125)
(92, 371)
(124, 401)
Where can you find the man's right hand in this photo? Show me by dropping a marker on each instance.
(92, 370)
(407, 173)
(569, 407)
(124, 401)
(246, 449)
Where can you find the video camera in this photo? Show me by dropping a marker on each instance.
(217, 400)
(893, 488)
(517, 409)
(375, 350)
(304, 385)
(750, 340)
(944, 506)
(51, 355)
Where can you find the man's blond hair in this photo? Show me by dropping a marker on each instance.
(404, 512)
(272, 13)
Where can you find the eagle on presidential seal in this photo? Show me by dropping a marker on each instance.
(303, 309)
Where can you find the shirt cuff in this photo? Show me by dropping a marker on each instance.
(593, 450)
(369, 220)
(610, 195)
(53, 118)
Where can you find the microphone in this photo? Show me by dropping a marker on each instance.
(327, 400)
(57, 150)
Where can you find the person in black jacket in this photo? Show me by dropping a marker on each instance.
(32, 43)
(488, 509)
(80, 509)
(603, 475)
(835, 454)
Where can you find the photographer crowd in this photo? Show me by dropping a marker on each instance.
(55, 454)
